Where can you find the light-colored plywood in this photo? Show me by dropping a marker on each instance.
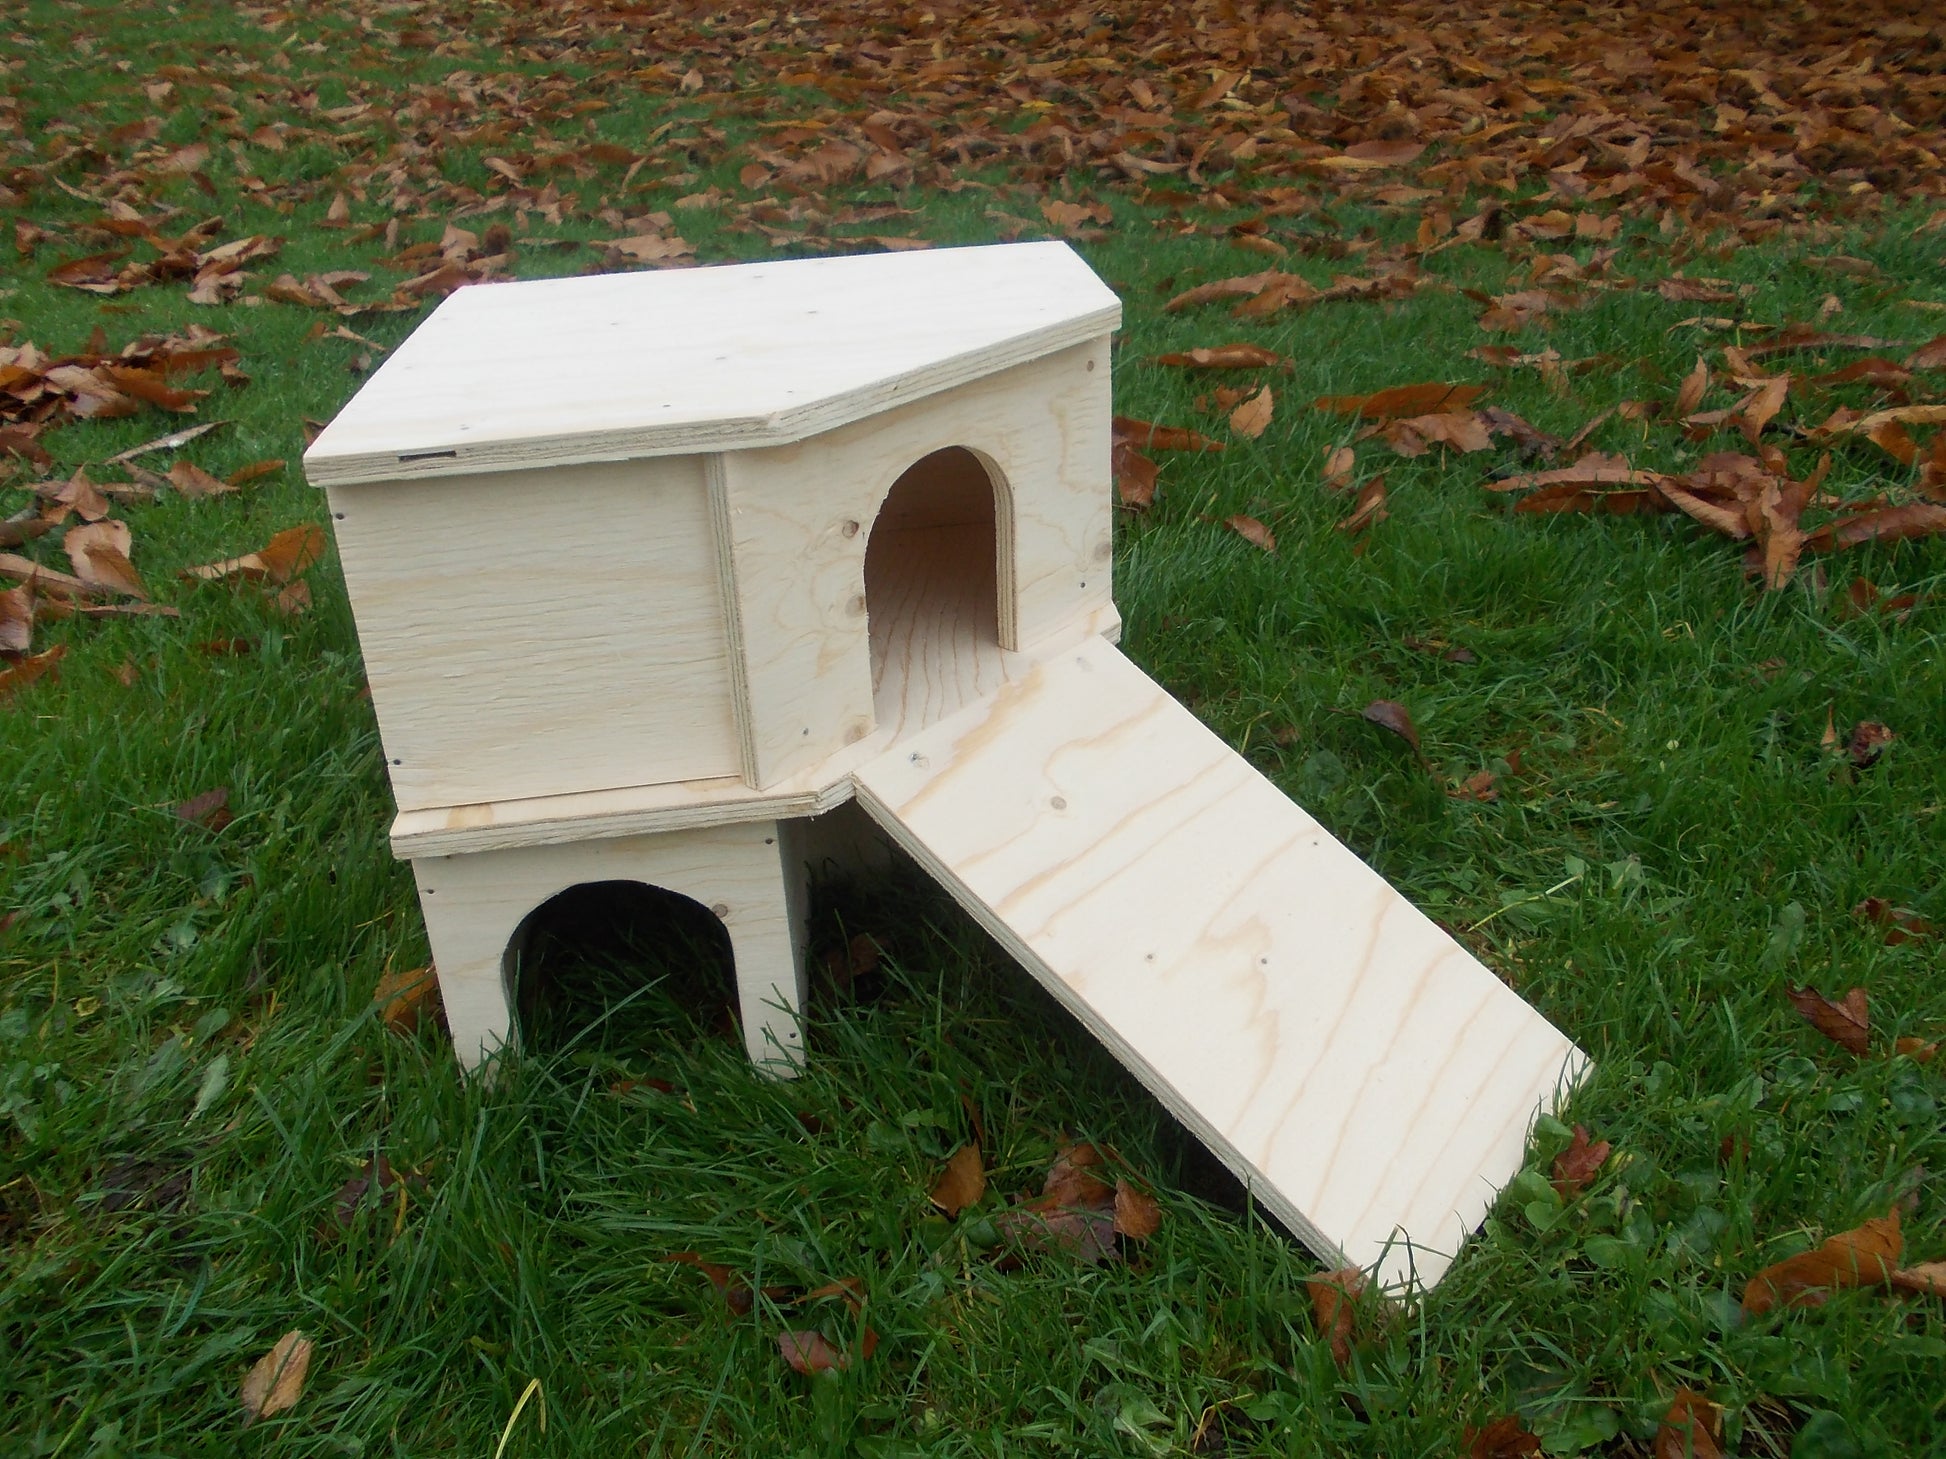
(797, 520)
(550, 372)
(934, 607)
(750, 876)
(541, 634)
(1371, 1082)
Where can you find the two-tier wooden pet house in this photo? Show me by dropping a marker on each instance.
(653, 570)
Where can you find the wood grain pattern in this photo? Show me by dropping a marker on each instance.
(749, 875)
(499, 673)
(798, 519)
(621, 366)
(943, 661)
(1370, 1080)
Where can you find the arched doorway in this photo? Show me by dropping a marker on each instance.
(933, 569)
(620, 965)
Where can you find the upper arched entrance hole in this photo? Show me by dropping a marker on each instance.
(932, 588)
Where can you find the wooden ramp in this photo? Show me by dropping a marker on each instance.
(1369, 1081)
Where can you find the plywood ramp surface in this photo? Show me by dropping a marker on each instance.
(1370, 1081)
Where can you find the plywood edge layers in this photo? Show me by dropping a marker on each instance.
(324, 466)
(602, 815)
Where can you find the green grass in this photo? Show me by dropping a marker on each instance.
(190, 1068)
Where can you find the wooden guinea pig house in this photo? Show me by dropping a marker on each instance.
(653, 570)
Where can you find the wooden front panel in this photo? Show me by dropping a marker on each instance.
(798, 519)
(541, 632)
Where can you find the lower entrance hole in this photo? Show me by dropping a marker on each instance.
(621, 966)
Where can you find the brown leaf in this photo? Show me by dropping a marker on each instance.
(809, 1352)
(1504, 1438)
(962, 1183)
(1692, 1429)
(22, 672)
(1334, 1304)
(1252, 531)
(1363, 156)
(1245, 286)
(99, 552)
(1135, 476)
(1694, 386)
(1137, 1214)
(1887, 524)
(1577, 1165)
(1402, 400)
(16, 620)
(1763, 406)
(1927, 1279)
(373, 1182)
(243, 475)
(1847, 1023)
(276, 1382)
(404, 995)
(286, 555)
(1390, 714)
(1148, 436)
(1252, 417)
(1901, 924)
(1929, 356)
(1865, 1256)
(190, 480)
(1462, 430)
(1339, 463)
(210, 810)
(1868, 741)
(1368, 509)
(1071, 1182)
(1225, 357)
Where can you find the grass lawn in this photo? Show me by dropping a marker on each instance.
(1638, 801)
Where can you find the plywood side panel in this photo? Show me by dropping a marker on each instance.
(798, 518)
(527, 637)
(1369, 1080)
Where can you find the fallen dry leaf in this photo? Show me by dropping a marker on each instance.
(962, 1183)
(811, 1352)
(286, 555)
(1694, 386)
(190, 480)
(1402, 400)
(1692, 1429)
(1149, 436)
(1225, 357)
(210, 810)
(22, 672)
(1334, 1305)
(1865, 1256)
(1504, 1438)
(1252, 531)
(1368, 508)
(99, 552)
(1927, 1279)
(1339, 463)
(1251, 418)
(1866, 743)
(404, 995)
(1847, 1023)
(1394, 716)
(16, 620)
(276, 1382)
(1900, 924)
(1137, 1214)
(1577, 1165)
